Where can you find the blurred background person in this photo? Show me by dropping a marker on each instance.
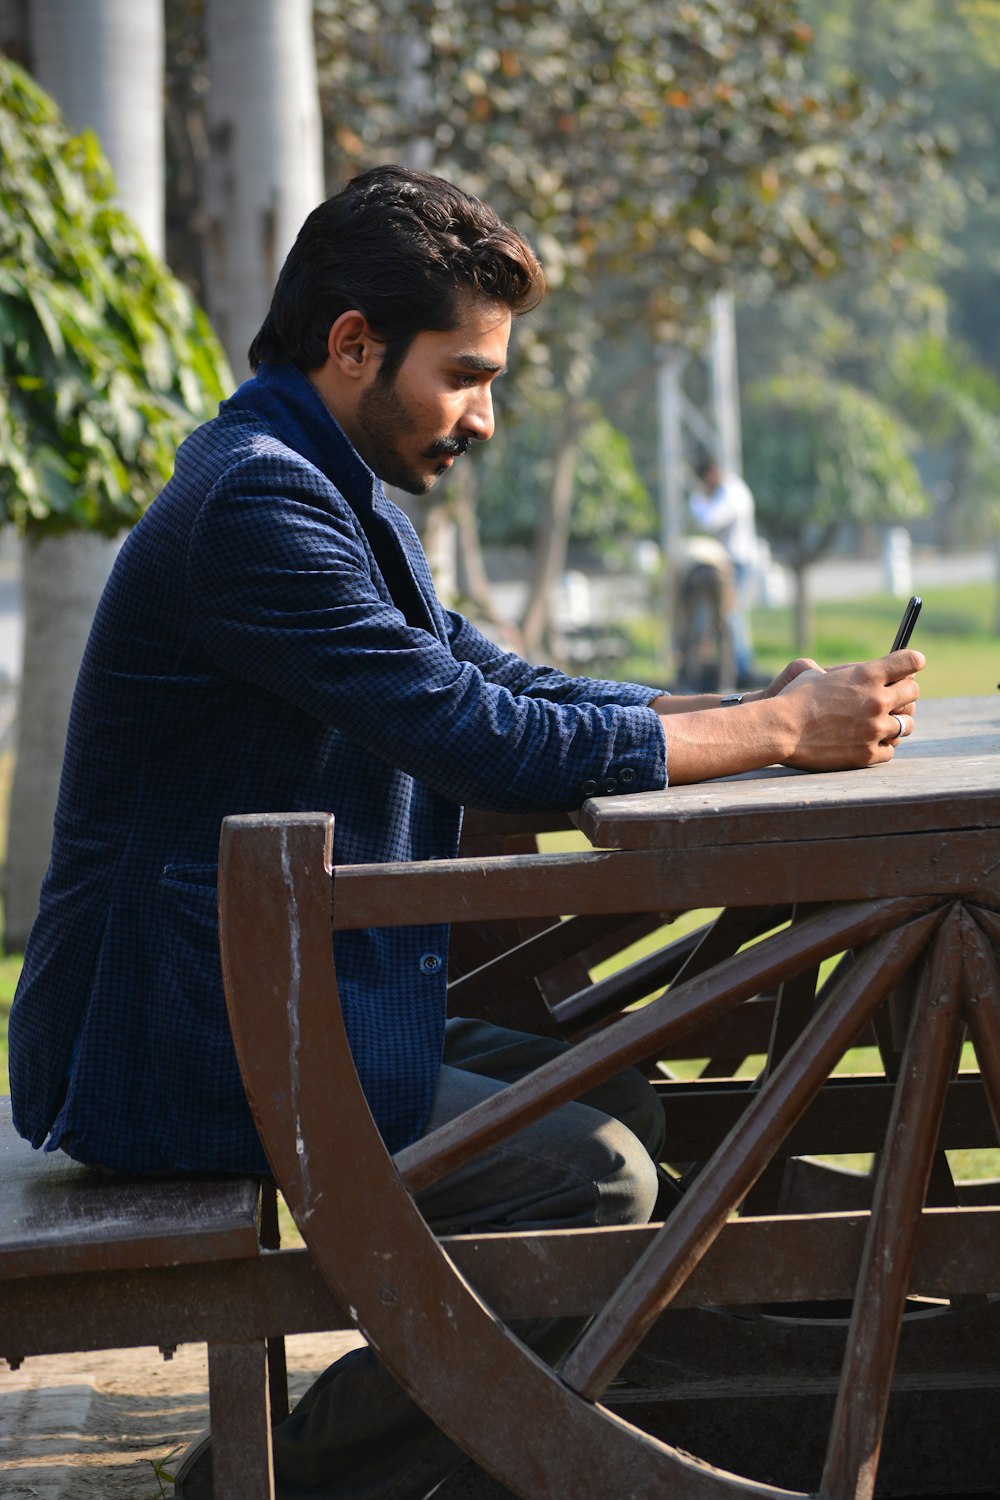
(723, 507)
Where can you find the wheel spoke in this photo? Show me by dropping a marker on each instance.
(900, 1191)
(739, 1160)
(639, 1034)
(981, 1004)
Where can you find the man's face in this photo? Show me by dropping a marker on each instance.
(411, 429)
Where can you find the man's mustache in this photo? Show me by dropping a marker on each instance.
(449, 448)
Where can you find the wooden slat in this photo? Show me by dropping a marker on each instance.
(981, 1004)
(552, 1273)
(848, 1115)
(679, 959)
(242, 1467)
(531, 957)
(926, 786)
(66, 1218)
(460, 890)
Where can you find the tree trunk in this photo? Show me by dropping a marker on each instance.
(806, 551)
(103, 65)
(803, 607)
(552, 535)
(61, 579)
(265, 157)
(473, 580)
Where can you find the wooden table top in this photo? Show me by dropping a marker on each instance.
(945, 776)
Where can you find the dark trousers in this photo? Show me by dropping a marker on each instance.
(356, 1435)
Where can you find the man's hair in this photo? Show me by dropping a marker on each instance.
(705, 464)
(402, 247)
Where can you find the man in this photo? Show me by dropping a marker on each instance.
(723, 507)
(270, 640)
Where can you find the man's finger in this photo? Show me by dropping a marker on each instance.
(899, 664)
(901, 726)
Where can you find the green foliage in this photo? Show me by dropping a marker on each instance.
(819, 452)
(923, 332)
(954, 401)
(926, 369)
(162, 1472)
(652, 153)
(611, 504)
(106, 362)
(945, 54)
(658, 150)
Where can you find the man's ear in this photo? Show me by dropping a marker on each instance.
(350, 344)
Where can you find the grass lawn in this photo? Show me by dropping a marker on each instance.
(963, 654)
(954, 633)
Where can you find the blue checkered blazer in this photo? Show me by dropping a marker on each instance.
(270, 640)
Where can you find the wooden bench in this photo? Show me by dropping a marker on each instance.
(90, 1261)
(93, 1260)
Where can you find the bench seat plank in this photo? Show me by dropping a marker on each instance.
(59, 1217)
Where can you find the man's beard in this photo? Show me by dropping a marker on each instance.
(383, 418)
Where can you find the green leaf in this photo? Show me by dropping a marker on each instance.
(107, 363)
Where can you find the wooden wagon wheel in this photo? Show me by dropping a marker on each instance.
(407, 1296)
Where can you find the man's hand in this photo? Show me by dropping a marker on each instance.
(813, 719)
(847, 715)
(784, 677)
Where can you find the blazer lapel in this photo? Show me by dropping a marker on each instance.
(288, 403)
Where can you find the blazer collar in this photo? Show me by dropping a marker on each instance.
(289, 403)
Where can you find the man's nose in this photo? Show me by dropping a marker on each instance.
(477, 419)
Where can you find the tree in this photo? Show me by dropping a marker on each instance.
(652, 152)
(611, 505)
(954, 402)
(101, 63)
(107, 364)
(945, 54)
(264, 170)
(819, 453)
(923, 332)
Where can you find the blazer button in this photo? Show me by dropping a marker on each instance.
(609, 784)
(588, 788)
(627, 776)
(429, 963)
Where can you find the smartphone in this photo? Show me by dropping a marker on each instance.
(906, 624)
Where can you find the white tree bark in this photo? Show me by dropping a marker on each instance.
(265, 157)
(62, 579)
(102, 61)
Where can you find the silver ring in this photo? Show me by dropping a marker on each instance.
(899, 721)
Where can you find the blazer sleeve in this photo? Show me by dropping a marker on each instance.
(284, 594)
(520, 677)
